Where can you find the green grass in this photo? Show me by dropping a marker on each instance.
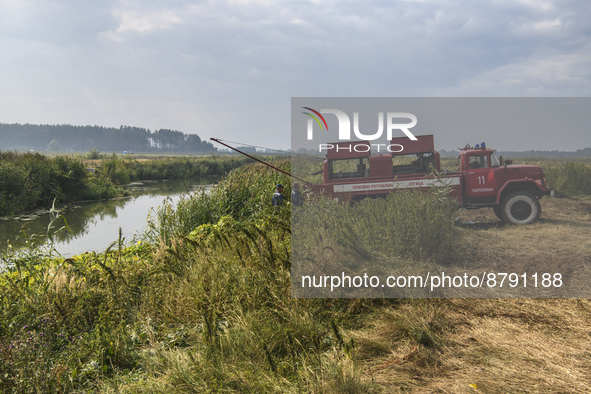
(568, 178)
(408, 224)
(207, 310)
(203, 303)
(244, 195)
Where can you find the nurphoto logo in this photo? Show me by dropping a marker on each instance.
(345, 124)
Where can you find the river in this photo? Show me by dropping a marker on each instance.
(95, 225)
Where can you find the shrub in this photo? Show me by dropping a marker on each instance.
(245, 194)
(94, 154)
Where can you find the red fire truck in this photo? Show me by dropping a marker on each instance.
(481, 180)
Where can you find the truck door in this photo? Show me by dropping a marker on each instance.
(481, 186)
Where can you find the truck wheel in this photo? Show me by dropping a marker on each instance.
(520, 208)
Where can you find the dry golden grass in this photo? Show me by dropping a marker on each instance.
(559, 242)
(481, 345)
(499, 344)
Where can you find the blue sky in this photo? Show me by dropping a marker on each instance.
(228, 69)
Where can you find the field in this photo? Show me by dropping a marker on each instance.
(500, 345)
(203, 304)
(491, 345)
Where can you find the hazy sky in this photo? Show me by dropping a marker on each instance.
(228, 69)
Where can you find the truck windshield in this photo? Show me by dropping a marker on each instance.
(493, 161)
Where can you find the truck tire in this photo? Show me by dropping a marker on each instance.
(520, 208)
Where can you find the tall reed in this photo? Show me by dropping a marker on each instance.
(570, 178)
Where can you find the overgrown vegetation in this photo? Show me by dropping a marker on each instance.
(30, 181)
(409, 224)
(207, 311)
(123, 170)
(244, 194)
(572, 178)
(203, 304)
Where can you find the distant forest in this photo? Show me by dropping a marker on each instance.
(105, 139)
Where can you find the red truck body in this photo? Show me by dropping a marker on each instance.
(513, 191)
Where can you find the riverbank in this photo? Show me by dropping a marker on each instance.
(204, 305)
(83, 323)
(94, 225)
(31, 181)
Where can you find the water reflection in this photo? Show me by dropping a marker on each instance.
(95, 225)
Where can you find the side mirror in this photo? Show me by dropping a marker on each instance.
(500, 160)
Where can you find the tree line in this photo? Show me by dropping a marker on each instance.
(85, 138)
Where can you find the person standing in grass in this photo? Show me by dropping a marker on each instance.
(296, 195)
(278, 195)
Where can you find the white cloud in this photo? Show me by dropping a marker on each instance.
(144, 23)
(548, 25)
(135, 20)
(542, 74)
(539, 5)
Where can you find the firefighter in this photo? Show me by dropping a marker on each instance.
(278, 195)
(296, 195)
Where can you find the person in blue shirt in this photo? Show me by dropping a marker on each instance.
(278, 195)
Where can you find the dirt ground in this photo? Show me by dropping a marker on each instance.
(492, 345)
